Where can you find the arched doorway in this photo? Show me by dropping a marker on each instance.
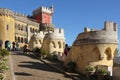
(8, 45)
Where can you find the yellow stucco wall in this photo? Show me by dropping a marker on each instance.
(53, 45)
(35, 43)
(91, 54)
(22, 33)
(4, 33)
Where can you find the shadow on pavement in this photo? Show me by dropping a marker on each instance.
(40, 65)
(37, 66)
(22, 74)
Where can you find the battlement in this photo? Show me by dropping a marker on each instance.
(107, 35)
(4, 11)
(110, 26)
(86, 29)
(59, 31)
(20, 14)
(39, 35)
(43, 9)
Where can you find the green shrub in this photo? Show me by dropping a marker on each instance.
(3, 67)
(1, 77)
(4, 53)
(89, 68)
(102, 71)
(43, 51)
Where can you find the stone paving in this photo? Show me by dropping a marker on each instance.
(25, 67)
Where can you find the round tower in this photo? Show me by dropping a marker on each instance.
(6, 27)
(96, 48)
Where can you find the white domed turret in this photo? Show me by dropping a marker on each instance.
(54, 42)
(36, 40)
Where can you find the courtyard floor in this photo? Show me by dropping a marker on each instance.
(27, 67)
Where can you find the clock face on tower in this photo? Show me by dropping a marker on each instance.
(46, 18)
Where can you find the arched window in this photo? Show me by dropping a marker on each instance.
(25, 40)
(18, 39)
(108, 53)
(53, 44)
(21, 27)
(40, 41)
(21, 40)
(59, 44)
(33, 30)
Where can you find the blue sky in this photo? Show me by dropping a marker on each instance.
(72, 15)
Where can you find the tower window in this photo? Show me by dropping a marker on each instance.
(7, 27)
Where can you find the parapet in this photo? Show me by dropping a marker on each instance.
(86, 29)
(20, 14)
(110, 26)
(107, 35)
(43, 9)
(58, 33)
(7, 12)
(38, 35)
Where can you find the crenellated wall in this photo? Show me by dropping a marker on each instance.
(107, 35)
(7, 12)
(15, 27)
(43, 9)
